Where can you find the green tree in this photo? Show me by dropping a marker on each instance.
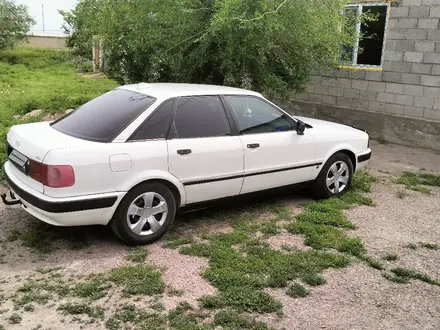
(81, 25)
(15, 23)
(267, 45)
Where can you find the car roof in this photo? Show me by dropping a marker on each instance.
(168, 90)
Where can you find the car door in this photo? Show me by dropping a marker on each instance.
(274, 154)
(202, 151)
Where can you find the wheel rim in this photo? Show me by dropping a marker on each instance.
(337, 178)
(147, 214)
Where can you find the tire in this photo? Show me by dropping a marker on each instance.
(324, 188)
(136, 224)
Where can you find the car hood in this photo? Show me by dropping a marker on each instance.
(324, 125)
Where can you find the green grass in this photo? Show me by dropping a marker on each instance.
(41, 79)
(94, 289)
(373, 263)
(410, 246)
(416, 181)
(231, 320)
(297, 290)
(390, 257)
(313, 279)
(138, 280)
(81, 308)
(175, 241)
(183, 317)
(131, 315)
(322, 222)
(404, 275)
(242, 265)
(430, 246)
(175, 292)
(401, 194)
(41, 237)
(137, 254)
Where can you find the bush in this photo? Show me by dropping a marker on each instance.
(265, 45)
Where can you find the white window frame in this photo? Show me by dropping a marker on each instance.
(360, 7)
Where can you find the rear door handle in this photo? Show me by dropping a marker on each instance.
(184, 151)
(253, 145)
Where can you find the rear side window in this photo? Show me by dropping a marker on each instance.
(202, 116)
(157, 124)
(103, 118)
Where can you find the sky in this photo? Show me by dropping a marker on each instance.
(52, 19)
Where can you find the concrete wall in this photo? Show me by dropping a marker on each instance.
(407, 85)
(46, 42)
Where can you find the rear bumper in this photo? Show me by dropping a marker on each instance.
(75, 211)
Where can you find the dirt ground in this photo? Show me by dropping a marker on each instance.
(356, 297)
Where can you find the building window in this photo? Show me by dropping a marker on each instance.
(368, 48)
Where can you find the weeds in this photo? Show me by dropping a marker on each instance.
(232, 320)
(173, 242)
(410, 246)
(430, 246)
(416, 181)
(15, 319)
(142, 319)
(175, 292)
(81, 308)
(29, 308)
(95, 289)
(137, 280)
(401, 194)
(390, 257)
(137, 254)
(404, 275)
(297, 290)
(371, 262)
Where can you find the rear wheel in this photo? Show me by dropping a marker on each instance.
(145, 214)
(335, 178)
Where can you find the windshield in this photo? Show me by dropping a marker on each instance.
(103, 118)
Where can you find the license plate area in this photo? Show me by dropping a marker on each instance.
(19, 160)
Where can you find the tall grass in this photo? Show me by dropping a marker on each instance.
(41, 79)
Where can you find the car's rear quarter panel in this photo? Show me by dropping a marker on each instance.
(95, 175)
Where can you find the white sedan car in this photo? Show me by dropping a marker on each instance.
(135, 156)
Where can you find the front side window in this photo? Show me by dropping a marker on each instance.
(156, 126)
(201, 116)
(256, 116)
(368, 48)
(103, 118)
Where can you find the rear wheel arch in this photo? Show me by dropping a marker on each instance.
(171, 186)
(350, 154)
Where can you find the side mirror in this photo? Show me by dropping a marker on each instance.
(300, 127)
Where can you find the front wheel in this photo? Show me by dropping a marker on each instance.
(335, 177)
(145, 214)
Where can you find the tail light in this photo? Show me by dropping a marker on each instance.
(54, 176)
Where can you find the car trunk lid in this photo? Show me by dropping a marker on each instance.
(34, 141)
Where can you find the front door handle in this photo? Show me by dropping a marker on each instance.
(253, 145)
(184, 151)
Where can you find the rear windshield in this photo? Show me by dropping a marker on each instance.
(103, 118)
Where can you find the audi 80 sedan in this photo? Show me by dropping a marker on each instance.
(136, 155)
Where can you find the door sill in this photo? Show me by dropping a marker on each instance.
(248, 197)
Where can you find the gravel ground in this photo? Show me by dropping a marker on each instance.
(357, 297)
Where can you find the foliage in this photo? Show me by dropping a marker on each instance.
(80, 24)
(265, 45)
(15, 23)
